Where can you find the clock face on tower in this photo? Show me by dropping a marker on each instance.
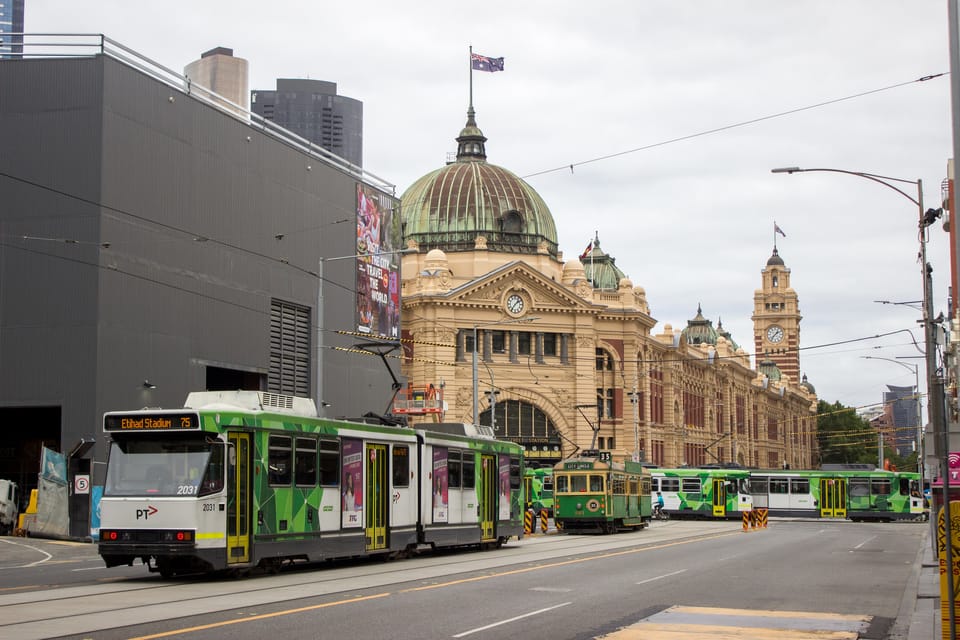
(515, 304)
(775, 333)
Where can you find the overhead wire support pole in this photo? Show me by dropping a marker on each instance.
(935, 396)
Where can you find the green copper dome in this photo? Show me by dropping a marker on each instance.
(601, 267)
(451, 207)
(700, 330)
(770, 369)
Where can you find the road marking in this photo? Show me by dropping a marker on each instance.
(563, 563)
(666, 575)
(865, 542)
(32, 564)
(710, 623)
(513, 619)
(264, 616)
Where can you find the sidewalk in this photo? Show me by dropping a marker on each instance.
(924, 621)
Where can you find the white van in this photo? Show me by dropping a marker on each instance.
(9, 506)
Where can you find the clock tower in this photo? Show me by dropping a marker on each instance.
(776, 319)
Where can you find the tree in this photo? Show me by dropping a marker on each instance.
(843, 436)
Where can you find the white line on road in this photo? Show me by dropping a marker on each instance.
(32, 564)
(514, 619)
(865, 542)
(666, 575)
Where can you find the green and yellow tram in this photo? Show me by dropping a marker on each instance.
(244, 479)
(704, 493)
(538, 489)
(854, 494)
(590, 495)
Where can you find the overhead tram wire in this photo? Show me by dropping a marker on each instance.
(569, 167)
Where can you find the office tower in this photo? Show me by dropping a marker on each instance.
(11, 21)
(313, 110)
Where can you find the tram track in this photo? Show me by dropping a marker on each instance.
(75, 609)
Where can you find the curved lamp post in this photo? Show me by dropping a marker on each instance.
(934, 385)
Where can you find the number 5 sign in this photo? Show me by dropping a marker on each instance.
(81, 484)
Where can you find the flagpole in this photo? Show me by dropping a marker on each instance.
(774, 235)
(470, 64)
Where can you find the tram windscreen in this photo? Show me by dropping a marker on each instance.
(157, 468)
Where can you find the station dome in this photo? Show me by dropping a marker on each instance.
(471, 204)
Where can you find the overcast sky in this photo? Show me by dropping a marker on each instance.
(688, 217)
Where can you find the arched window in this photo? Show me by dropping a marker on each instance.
(520, 421)
(604, 360)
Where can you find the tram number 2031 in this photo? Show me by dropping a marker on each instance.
(187, 490)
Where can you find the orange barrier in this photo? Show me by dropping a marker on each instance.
(543, 520)
(528, 521)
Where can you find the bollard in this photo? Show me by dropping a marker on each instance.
(763, 518)
(528, 521)
(543, 520)
(753, 519)
(746, 521)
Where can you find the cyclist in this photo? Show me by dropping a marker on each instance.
(658, 506)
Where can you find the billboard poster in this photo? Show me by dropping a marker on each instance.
(351, 484)
(379, 239)
(504, 464)
(440, 484)
(53, 466)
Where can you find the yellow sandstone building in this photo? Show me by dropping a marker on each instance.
(562, 356)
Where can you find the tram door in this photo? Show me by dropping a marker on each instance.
(238, 498)
(719, 498)
(488, 497)
(833, 498)
(376, 496)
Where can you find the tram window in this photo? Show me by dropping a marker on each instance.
(515, 475)
(453, 469)
(690, 485)
(329, 462)
(305, 462)
(731, 487)
(618, 484)
(645, 486)
(859, 487)
(779, 486)
(799, 485)
(562, 483)
(757, 484)
(578, 484)
(669, 484)
(213, 475)
(401, 466)
(634, 486)
(279, 460)
(880, 487)
(596, 484)
(469, 471)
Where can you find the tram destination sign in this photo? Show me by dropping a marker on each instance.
(160, 421)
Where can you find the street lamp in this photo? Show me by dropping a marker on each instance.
(476, 376)
(935, 396)
(916, 382)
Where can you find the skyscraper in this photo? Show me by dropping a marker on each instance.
(11, 21)
(313, 110)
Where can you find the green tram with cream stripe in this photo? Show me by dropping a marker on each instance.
(244, 479)
(591, 495)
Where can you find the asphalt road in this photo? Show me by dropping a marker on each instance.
(669, 577)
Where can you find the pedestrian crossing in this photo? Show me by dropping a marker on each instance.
(700, 623)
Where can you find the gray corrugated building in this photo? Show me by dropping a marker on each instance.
(153, 244)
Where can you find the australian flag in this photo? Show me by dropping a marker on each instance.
(485, 63)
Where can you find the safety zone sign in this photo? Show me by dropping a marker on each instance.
(81, 484)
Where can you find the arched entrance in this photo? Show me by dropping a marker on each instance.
(527, 425)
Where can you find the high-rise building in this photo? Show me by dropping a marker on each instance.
(313, 110)
(219, 71)
(904, 409)
(11, 22)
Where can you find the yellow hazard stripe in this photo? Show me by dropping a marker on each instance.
(217, 535)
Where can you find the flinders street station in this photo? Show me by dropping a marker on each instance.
(562, 355)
